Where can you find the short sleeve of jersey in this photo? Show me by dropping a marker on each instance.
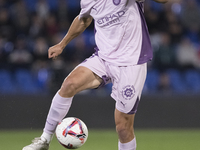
(86, 7)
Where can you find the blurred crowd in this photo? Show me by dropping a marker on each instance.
(29, 27)
(175, 36)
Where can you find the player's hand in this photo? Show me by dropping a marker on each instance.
(54, 51)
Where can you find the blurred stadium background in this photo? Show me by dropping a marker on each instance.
(28, 79)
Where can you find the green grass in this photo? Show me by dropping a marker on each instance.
(107, 139)
(168, 139)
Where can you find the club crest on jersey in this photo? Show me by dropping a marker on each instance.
(128, 92)
(116, 2)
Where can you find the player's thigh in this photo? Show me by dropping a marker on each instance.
(79, 79)
(84, 78)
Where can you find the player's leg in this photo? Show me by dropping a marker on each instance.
(127, 88)
(79, 79)
(125, 130)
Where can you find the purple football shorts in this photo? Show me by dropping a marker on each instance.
(128, 81)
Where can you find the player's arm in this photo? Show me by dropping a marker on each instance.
(161, 1)
(76, 28)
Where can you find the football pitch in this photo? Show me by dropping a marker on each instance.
(158, 139)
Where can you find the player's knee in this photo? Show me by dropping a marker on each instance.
(124, 131)
(68, 88)
(121, 128)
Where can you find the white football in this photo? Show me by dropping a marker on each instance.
(71, 133)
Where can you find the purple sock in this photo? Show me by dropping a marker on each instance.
(127, 146)
(58, 110)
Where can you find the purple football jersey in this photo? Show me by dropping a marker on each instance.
(121, 33)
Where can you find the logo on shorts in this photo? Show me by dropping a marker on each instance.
(116, 2)
(128, 92)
